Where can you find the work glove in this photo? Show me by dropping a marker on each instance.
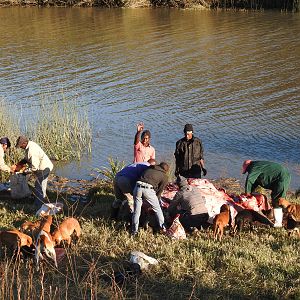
(204, 171)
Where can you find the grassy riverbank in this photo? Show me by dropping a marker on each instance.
(285, 5)
(255, 265)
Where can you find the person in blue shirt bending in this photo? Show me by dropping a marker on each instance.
(124, 184)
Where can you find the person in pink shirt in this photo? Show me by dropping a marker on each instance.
(143, 151)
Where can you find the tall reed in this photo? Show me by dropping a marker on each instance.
(62, 128)
(59, 126)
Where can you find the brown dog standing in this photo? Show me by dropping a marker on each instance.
(221, 221)
(293, 214)
(65, 231)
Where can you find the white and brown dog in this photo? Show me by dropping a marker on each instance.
(44, 243)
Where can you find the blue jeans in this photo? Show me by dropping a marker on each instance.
(145, 193)
(40, 187)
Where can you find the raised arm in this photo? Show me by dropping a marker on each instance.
(139, 129)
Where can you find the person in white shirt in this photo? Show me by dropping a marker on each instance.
(39, 163)
(4, 145)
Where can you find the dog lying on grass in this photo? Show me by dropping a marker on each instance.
(248, 216)
(293, 215)
(14, 240)
(221, 221)
(66, 230)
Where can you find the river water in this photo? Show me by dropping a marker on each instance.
(234, 75)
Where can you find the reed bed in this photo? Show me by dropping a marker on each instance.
(262, 264)
(60, 127)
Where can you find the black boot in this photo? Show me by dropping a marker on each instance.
(114, 213)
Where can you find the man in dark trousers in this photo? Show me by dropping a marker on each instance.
(149, 188)
(268, 175)
(189, 155)
(190, 204)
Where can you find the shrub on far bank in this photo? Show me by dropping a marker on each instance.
(284, 5)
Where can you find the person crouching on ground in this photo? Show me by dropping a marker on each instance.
(124, 184)
(189, 203)
(149, 188)
(40, 165)
(189, 155)
(143, 151)
(4, 146)
(268, 175)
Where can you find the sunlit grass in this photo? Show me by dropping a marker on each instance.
(262, 264)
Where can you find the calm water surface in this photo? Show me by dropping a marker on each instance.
(234, 75)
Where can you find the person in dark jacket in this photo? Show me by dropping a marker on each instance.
(189, 155)
(149, 188)
(269, 175)
(189, 203)
(124, 184)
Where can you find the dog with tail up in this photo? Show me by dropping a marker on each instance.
(221, 221)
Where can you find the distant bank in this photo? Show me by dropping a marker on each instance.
(284, 5)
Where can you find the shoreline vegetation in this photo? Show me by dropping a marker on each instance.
(59, 126)
(283, 5)
(259, 264)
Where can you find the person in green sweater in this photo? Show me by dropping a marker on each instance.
(271, 176)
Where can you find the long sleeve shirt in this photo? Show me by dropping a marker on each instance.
(37, 158)
(190, 200)
(267, 175)
(3, 165)
(188, 155)
(134, 171)
(157, 177)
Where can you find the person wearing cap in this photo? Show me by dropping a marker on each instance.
(189, 203)
(271, 176)
(149, 188)
(143, 151)
(189, 155)
(4, 145)
(40, 165)
(124, 183)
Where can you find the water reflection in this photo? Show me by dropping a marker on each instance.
(234, 75)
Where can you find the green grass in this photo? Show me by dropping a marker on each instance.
(254, 265)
